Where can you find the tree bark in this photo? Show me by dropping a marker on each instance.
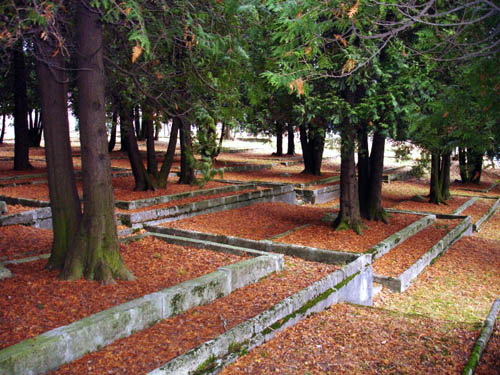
(64, 200)
(291, 140)
(279, 138)
(142, 182)
(349, 216)
(435, 195)
(95, 252)
(312, 140)
(187, 157)
(363, 169)
(170, 154)
(375, 210)
(112, 136)
(4, 123)
(150, 142)
(22, 142)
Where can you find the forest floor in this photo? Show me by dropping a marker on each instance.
(428, 329)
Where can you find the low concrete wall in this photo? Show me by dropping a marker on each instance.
(40, 217)
(482, 340)
(318, 182)
(283, 193)
(351, 284)
(50, 350)
(304, 252)
(24, 201)
(464, 206)
(484, 219)
(403, 281)
(140, 203)
(4, 272)
(397, 238)
(319, 196)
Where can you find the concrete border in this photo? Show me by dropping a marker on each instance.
(403, 281)
(307, 253)
(487, 216)
(39, 217)
(464, 206)
(146, 202)
(397, 238)
(391, 174)
(318, 196)
(482, 340)
(284, 193)
(24, 201)
(64, 344)
(353, 283)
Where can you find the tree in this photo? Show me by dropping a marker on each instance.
(95, 250)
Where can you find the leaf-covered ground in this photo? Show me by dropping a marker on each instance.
(348, 339)
(19, 241)
(148, 349)
(407, 253)
(35, 301)
(460, 286)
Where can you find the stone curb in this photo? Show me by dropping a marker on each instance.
(281, 192)
(403, 281)
(303, 252)
(24, 201)
(487, 216)
(23, 177)
(319, 196)
(318, 182)
(350, 284)
(4, 272)
(397, 238)
(64, 344)
(140, 203)
(482, 340)
(36, 217)
(464, 206)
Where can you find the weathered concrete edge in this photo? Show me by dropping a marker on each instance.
(319, 196)
(24, 201)
(399, 237)
(304, 252)
(403, 281)
(4, 272)
(425, 213)
(467, 204)
(482, 340)
(203, 206)
(146, 202)
(30, 217)
(487, 216)
(225, 348)
(50, 350)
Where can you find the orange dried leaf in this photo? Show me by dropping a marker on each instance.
(136, 52)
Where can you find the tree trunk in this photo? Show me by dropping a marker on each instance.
(148, 127)
(141, 179)
(64, 200)
(170, 154)
(4, 123)
(349, 215)
(279, 138)
(291, 140)
(363, 170)
(435, 195)
(95, 253)
(187, 157)
(444, 178)
(375, 210)
(306, 150)
(112, 136)
(312, 140)
(22, 142)
(137, 122)
(35, 129)
(477, 167)
(462, 162)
